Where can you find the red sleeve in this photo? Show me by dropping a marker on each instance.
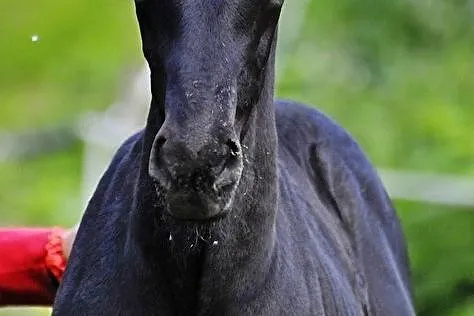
(31, 263)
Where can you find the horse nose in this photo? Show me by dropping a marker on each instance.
(211, 162)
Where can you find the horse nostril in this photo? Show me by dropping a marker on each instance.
(155, 167)
(234, 147)
(156, 151)
(159, 142)
(229, 175)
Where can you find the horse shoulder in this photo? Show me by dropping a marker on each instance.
(100, 238)
(345, 179)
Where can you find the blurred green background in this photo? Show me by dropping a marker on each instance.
(399, 75)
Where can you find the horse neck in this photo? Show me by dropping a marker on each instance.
(187, 256)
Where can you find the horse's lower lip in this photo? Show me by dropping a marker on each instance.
(194, 206)
(195, 216)
(193, 212)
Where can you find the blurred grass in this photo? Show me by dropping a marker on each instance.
(397, 74)
(84, 50)
(440, 246)
(44, 191)
(80, 57)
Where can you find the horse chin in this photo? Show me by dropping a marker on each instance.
(196, 207)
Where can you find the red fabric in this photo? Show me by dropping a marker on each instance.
(55, 260)
(31, 262)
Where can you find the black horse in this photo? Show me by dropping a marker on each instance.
(228, 203)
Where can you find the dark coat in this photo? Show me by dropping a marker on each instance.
(339, 249)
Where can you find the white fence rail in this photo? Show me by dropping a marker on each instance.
(429, 188)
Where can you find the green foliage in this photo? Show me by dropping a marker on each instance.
(397, 74)
(43, 191)
(440, 244)
(83, 49)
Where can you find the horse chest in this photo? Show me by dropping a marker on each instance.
(316, 254)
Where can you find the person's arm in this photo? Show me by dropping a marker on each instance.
(32, 262)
